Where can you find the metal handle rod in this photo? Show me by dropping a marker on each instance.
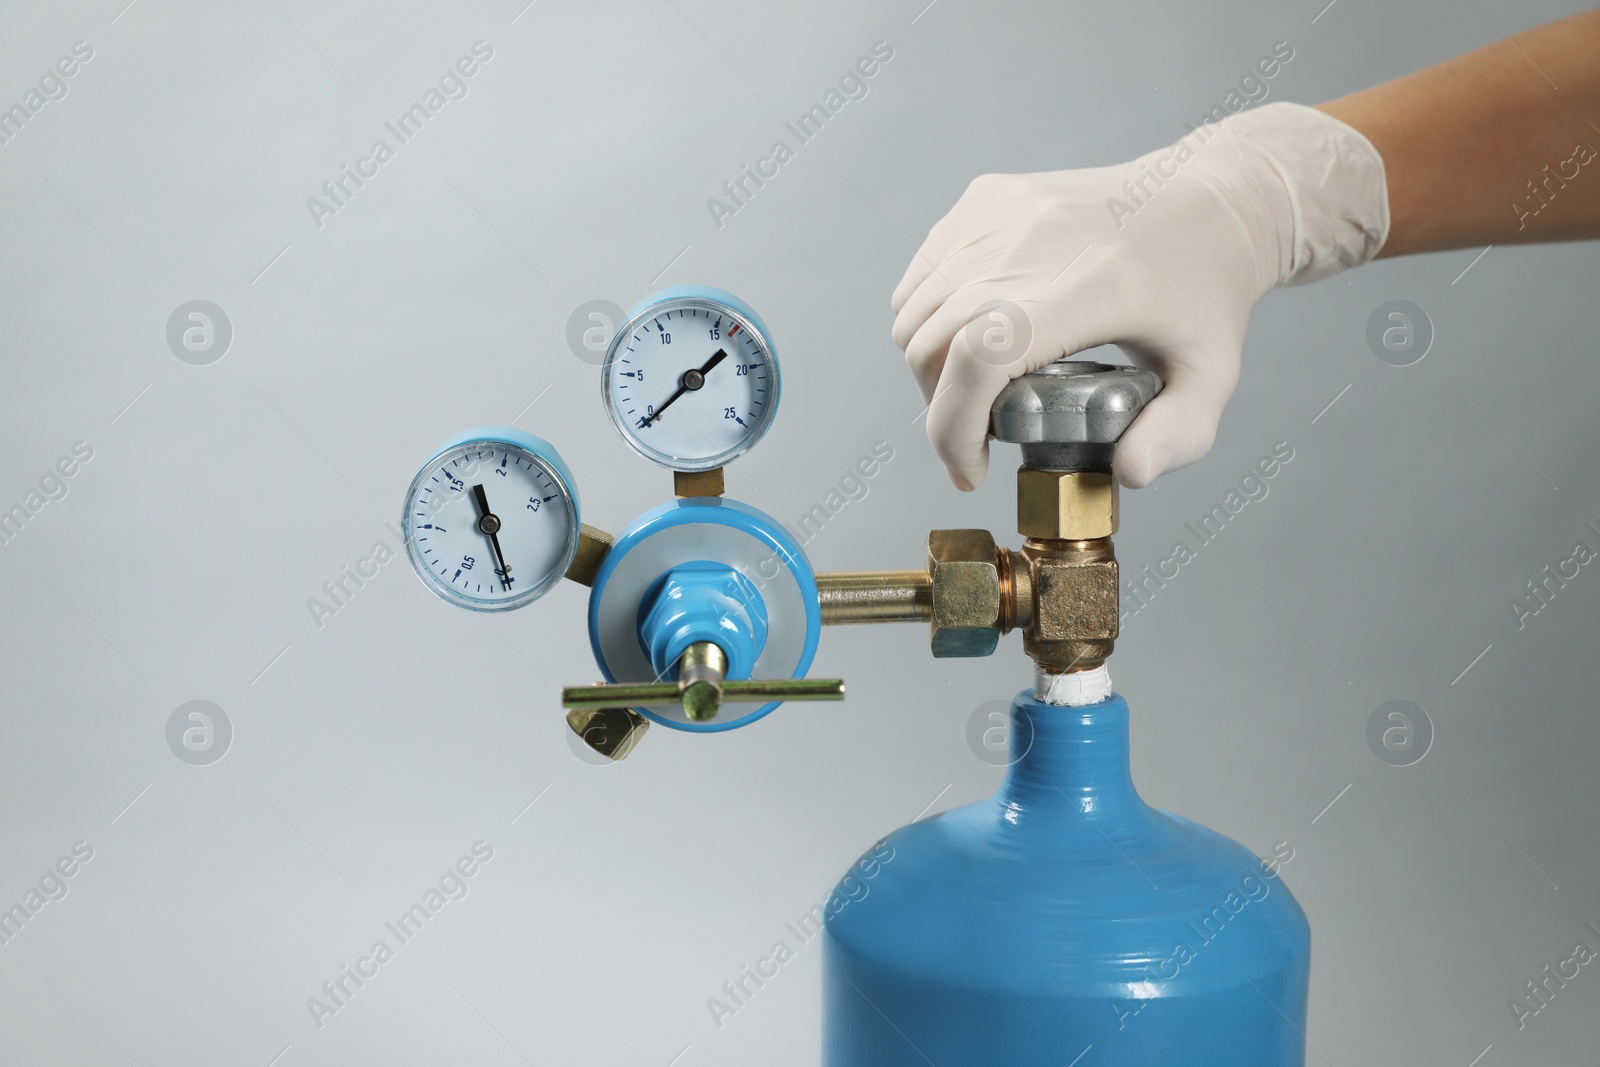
(875, 596)
(754, 691)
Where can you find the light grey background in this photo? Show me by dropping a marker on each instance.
(370, 753)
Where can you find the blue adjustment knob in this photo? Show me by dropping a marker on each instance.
(703, 601)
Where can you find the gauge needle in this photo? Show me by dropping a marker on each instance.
(693, 379)
(489, 523)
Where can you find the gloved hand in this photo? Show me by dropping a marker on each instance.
(1163, 256)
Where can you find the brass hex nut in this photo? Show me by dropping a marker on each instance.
(1066, 505)
(612, 732)
(964, 569)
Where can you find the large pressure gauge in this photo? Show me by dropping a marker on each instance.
(691, 379)
(491, 519)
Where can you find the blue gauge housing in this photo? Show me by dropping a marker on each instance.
(543, 452)
(764, 352)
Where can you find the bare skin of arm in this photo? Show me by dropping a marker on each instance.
(1498, 146)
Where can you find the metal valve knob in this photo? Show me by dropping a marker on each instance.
(1069, 414)
(1067, 417)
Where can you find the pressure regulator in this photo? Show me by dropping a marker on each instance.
(704, 613)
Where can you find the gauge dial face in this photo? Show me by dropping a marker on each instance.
(690, 383)
(490, 526)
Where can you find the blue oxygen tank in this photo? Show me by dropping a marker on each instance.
(1063, 921)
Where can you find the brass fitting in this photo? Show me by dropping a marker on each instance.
(697, 483)
(964, 570)
(612, 732)
(1068, 517)
(1066, 505)
(593, 544)
(1016, 591)
(1075, 603)
(1061, 592)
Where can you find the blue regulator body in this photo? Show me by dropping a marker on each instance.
(704, 569)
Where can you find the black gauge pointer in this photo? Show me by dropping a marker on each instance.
(489, 523)
(692, 379)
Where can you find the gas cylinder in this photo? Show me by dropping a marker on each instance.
(1064, 921)
(1061, 921)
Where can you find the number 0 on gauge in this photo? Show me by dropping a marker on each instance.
(691, 379)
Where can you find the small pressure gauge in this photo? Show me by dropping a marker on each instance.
(491, 520)
(691, 379)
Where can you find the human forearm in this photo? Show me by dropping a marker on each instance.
(1498, 146)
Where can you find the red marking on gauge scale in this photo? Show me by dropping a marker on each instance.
(733, 329)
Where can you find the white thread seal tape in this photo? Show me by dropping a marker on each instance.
(1071, 690)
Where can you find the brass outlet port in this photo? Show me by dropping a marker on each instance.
(612, 732)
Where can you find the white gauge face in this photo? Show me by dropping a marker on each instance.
(690, 384)
(490, 526)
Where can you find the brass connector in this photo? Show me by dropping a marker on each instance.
(593, 544)
(1075, 603)
(697, 483)
(964, 572)
(1060, 592)
(612, 732)
(1016, 591)
(1066, 505)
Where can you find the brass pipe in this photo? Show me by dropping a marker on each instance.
(875, 596)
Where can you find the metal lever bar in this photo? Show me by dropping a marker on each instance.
(754, 691)
(702, 687)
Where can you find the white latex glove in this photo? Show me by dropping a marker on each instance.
(1163, 256)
